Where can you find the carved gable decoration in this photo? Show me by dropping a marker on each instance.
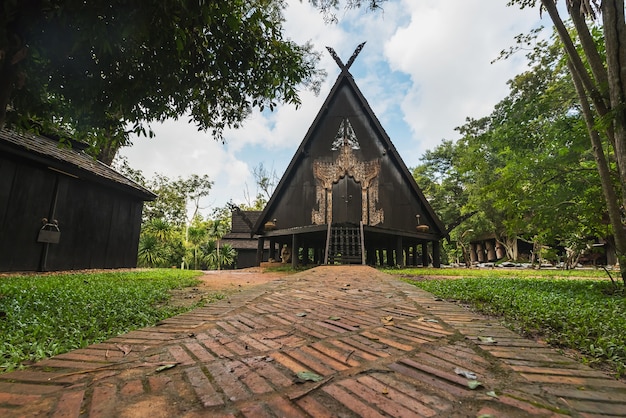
(346, 164)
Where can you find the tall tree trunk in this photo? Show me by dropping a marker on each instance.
(610, 196)
(609, 110)
(615, 44)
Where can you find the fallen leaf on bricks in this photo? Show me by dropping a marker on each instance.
(387, 320)
(474, 384)
(305, 376)
(465, 373)
(124, 348)
(166, 367)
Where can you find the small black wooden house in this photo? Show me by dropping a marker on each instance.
(347, 196)
(62, 210)
(240, 237)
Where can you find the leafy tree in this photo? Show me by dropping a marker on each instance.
(149, 252)
(215, 260)
(266, 180)
(196, 235)
(216, 230)
(99, 70)
(100, 67)
(525, 170)
(597, 74)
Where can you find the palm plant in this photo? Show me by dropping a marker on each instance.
(148, 253)
(217, 229)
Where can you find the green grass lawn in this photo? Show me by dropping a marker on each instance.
(44, 315)
(583, 314)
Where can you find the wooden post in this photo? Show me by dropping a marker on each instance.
(436, 254)
(400, 252)
(425, 261)
(294, 251)
(259, 250)
(391, 262)
(272, 249)
(491, 251)
(473, 254)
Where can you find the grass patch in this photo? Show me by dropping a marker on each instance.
(45, 315)
(484, 272)
(586, 315)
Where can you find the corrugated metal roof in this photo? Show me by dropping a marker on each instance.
(64, 158)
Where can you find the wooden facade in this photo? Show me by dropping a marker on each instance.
(62, 210)
(347, 196)
(240, 237)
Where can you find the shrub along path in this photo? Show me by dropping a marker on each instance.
(331, 341)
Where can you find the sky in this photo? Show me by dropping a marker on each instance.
(426, 67)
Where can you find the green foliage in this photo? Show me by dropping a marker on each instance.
(526, 170)
(44, 315)
(509, 273)
(106, 66)
(581, 314)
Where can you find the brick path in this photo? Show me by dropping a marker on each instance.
(380, 347)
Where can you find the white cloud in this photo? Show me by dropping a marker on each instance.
(425, 68)
(447, 49)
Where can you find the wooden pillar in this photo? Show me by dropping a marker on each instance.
(371, 257)
(390, 260)
(436, 254)
(294, 251)
(500, 251)
(473, 255)
(259, 250)
(480, 252)
(272, 254)
(415, 252)
(491, 251)
(305, 254)
(425, 261)
(399, 252)
(379, 253)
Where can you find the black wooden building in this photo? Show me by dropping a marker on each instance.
(240, 237)
(347, 196)
(62, 210)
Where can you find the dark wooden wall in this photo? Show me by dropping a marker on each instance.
(397, 197)
(99, 225)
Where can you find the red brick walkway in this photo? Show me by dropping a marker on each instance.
(375, 345)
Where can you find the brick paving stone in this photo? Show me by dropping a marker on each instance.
(379, 398)
(180, 355)
(239, 358)
(203, 388)
(103, 401)
(69, 405)
(314, 408)
(352, 402)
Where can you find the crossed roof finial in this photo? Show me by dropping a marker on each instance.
(345, 67)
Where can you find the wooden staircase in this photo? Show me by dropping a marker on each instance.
(345, 245)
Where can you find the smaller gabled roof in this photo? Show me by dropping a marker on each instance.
(69, 160)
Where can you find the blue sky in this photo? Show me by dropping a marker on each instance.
(426, 67)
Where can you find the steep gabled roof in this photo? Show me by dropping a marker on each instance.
(346, 79)
(68, 159)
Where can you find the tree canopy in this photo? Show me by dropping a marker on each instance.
(526, 170)
(102, 67)
(597, 73)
